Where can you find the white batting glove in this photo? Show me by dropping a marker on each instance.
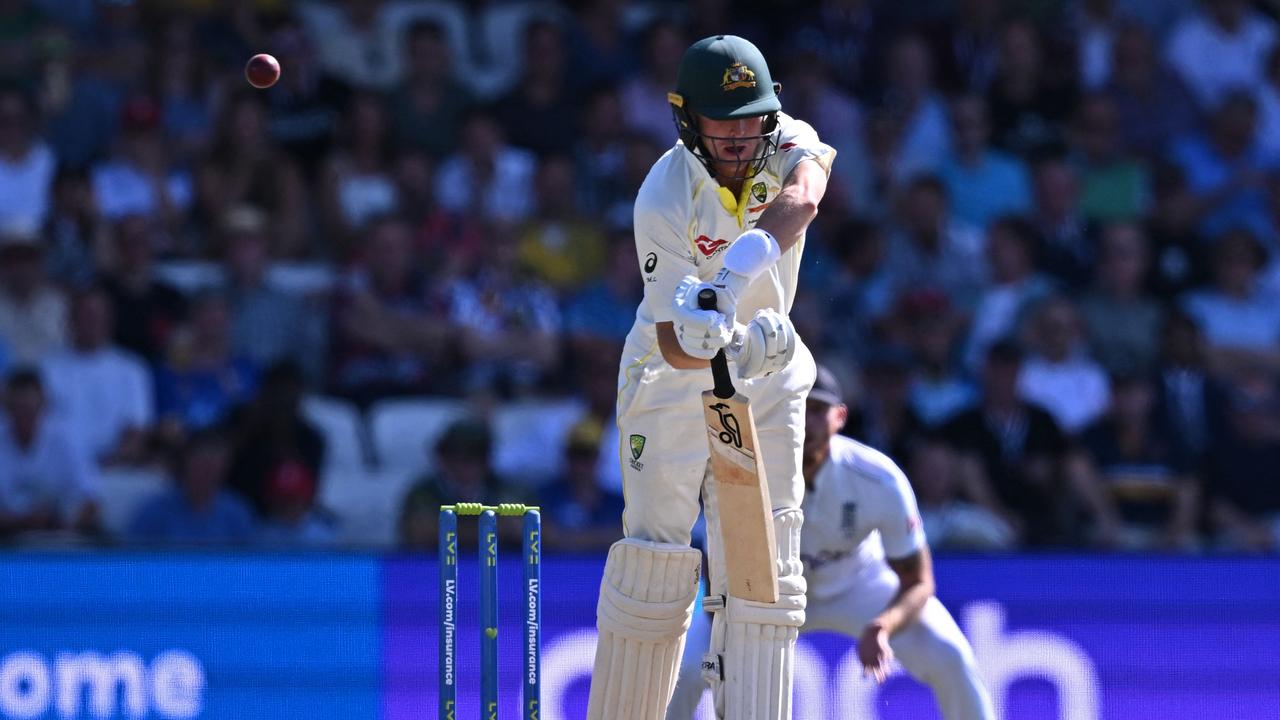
(729, 287)
(763, 346)
(701, 332)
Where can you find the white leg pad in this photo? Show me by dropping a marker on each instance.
(646, 604)
(753, 643)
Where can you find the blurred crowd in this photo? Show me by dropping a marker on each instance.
(1047, 268)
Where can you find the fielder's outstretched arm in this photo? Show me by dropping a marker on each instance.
(915, 587)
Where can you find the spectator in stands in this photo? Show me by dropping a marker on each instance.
(860, 292)
(427, 109)
(198, 509)
(1060, 376)
(1221, 48)
(598, 317)
(644, 97)
(1011, 452)
(558, 245)
(600, 151)
(930, 326)
(1178, 252)
(951, 520)
(1269, 106)
(967, 46)
(1189, 404)
(181, 88)
(304, 107)
(293, 519)
(1113, 186)
(1241, 326)
(1244, 497)
(202, 379)
(357, 40)
(463, 474)
(27, 163)
(148, 310)
(1122, 321)
(579, 515)
(267, 325)
(47, 477)
(388, 323)
(539, 114)
(917, 109)
(506, 325)
(139, 177)
(600, 48)
(33, 312)
(1225, 168)
(75, 234)
(813, 94)
(849, 35)
(359, 184)
(932, 249)
(272, 435)
(1153, 107)
(982, 182)
(244, 167)
(1065, 244)
(1026, 107)
(451, 243)
(485, 176)
(638, 156)
(1095, 25)
(884, 417)
(103, 394)
(1139, 471)
(1015, 289)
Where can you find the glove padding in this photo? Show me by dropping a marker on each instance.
(701, 332)
(763, 346)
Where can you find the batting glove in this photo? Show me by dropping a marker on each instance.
(701, 332)
(763, 346)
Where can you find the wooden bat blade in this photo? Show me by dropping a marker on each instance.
(742, 498)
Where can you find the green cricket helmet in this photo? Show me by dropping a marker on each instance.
(725, 77)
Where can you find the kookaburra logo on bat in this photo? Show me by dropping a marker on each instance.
(731, 434)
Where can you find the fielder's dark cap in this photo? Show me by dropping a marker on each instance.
(826, 389)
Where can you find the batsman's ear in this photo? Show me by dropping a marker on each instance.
(841, 416)
(777, 88)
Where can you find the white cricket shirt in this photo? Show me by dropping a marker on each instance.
(860, 509)
(685, 221)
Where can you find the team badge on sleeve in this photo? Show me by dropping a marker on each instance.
(637, 449)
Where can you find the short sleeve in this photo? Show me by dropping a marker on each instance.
(899, 522)
(797, 142)
(662, 248)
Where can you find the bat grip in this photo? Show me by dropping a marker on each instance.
(719, 364)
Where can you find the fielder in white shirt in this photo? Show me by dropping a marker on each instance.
(726, 208)
(868, 568)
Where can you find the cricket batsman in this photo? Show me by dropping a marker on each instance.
(726, 208)
(868, 569)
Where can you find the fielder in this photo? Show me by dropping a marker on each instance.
(727, 208)
(868, 569)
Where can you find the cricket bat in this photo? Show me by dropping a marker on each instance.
(742, 491)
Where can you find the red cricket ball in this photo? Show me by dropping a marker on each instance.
(262, 71)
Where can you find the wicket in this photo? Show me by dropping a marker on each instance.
(531, 610)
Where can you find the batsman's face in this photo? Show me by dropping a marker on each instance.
(732, 142)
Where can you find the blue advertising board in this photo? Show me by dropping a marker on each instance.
(222, 637)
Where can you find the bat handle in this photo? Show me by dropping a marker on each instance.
(719, 364)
